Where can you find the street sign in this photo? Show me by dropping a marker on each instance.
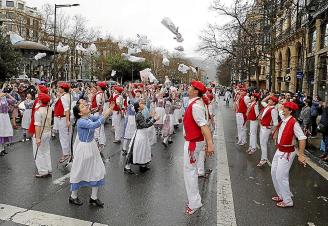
(287, 78)
(300, 74)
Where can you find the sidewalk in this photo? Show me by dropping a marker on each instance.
(313, 151)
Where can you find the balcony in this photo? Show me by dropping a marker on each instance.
(288, 33)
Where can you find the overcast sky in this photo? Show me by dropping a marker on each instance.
(126, 18)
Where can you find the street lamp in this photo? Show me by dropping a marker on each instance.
(58, 6)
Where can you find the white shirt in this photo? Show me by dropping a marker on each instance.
(66, 102)
(199, 112)
(298, 132)
(100, 99)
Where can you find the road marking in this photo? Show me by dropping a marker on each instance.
(61, 180)
(317, 168)
(37, 218)
(225, 207)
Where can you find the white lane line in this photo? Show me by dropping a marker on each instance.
(317, 168)
(37, 218)
(225, 206)
(61, 180)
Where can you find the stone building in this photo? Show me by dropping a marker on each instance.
(289, 46)
(17, 17)
(316, 24)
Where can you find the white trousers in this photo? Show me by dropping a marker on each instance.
(190, 173)
(264, 138)
(100, 133)
(43, 157)
(118, 123)
(281, 164)
(241, 128)
(253, 125)
(126, 143)
(201, 163)
(64, 135)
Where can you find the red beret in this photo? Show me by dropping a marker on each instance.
(274, 99)
(141, 84)
(199, 86)
(64, 85)
(291, 105)
(102, 84)
(256, 95)
(119, 89)
(43, 89)
(44, 98)
(137, 91)
(210, 96)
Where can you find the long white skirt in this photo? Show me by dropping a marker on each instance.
(160, 112)
(140, 147)
(87, 163)
(176, 116)
(130, 127)
(26, 118)
(6, 129)
(43, 157)
(152, 135)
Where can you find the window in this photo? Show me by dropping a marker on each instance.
(10, 3)
(324, 36)
(20, 6)
(10, 16)
(313, 41)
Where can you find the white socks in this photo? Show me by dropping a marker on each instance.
(2, 147)
(128, 166)
(74, 194)
(94, 193)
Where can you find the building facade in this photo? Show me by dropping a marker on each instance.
(316, 24)
(17, 17)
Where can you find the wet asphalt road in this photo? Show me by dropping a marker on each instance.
(156, 197)
(252, 187)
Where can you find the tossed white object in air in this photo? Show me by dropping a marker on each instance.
(113, 73)
(133, 59)
(193, 69)
(92, 49)
(179, 48)
(132, 51)
(142, 41)
(167, 22)
(39, 56)
(79, 47)
(165, 61)
(61, 48)
(183, 68)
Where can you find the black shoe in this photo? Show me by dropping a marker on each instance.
(128, 171)
(170, 141)
(102, 155)
(2, 154)
(96, 202)
(124, 152)
(76, 201)
(144, 168)
(165, 144)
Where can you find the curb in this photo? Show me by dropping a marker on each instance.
(317, 160)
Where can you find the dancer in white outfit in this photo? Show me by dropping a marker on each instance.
(288, 130)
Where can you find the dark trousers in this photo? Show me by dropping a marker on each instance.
(314, 125)
(325, 140)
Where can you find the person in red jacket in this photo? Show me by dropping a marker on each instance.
(252, 114)
(285, 135)
(198, 136)
(268, 120)
(241, 109)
